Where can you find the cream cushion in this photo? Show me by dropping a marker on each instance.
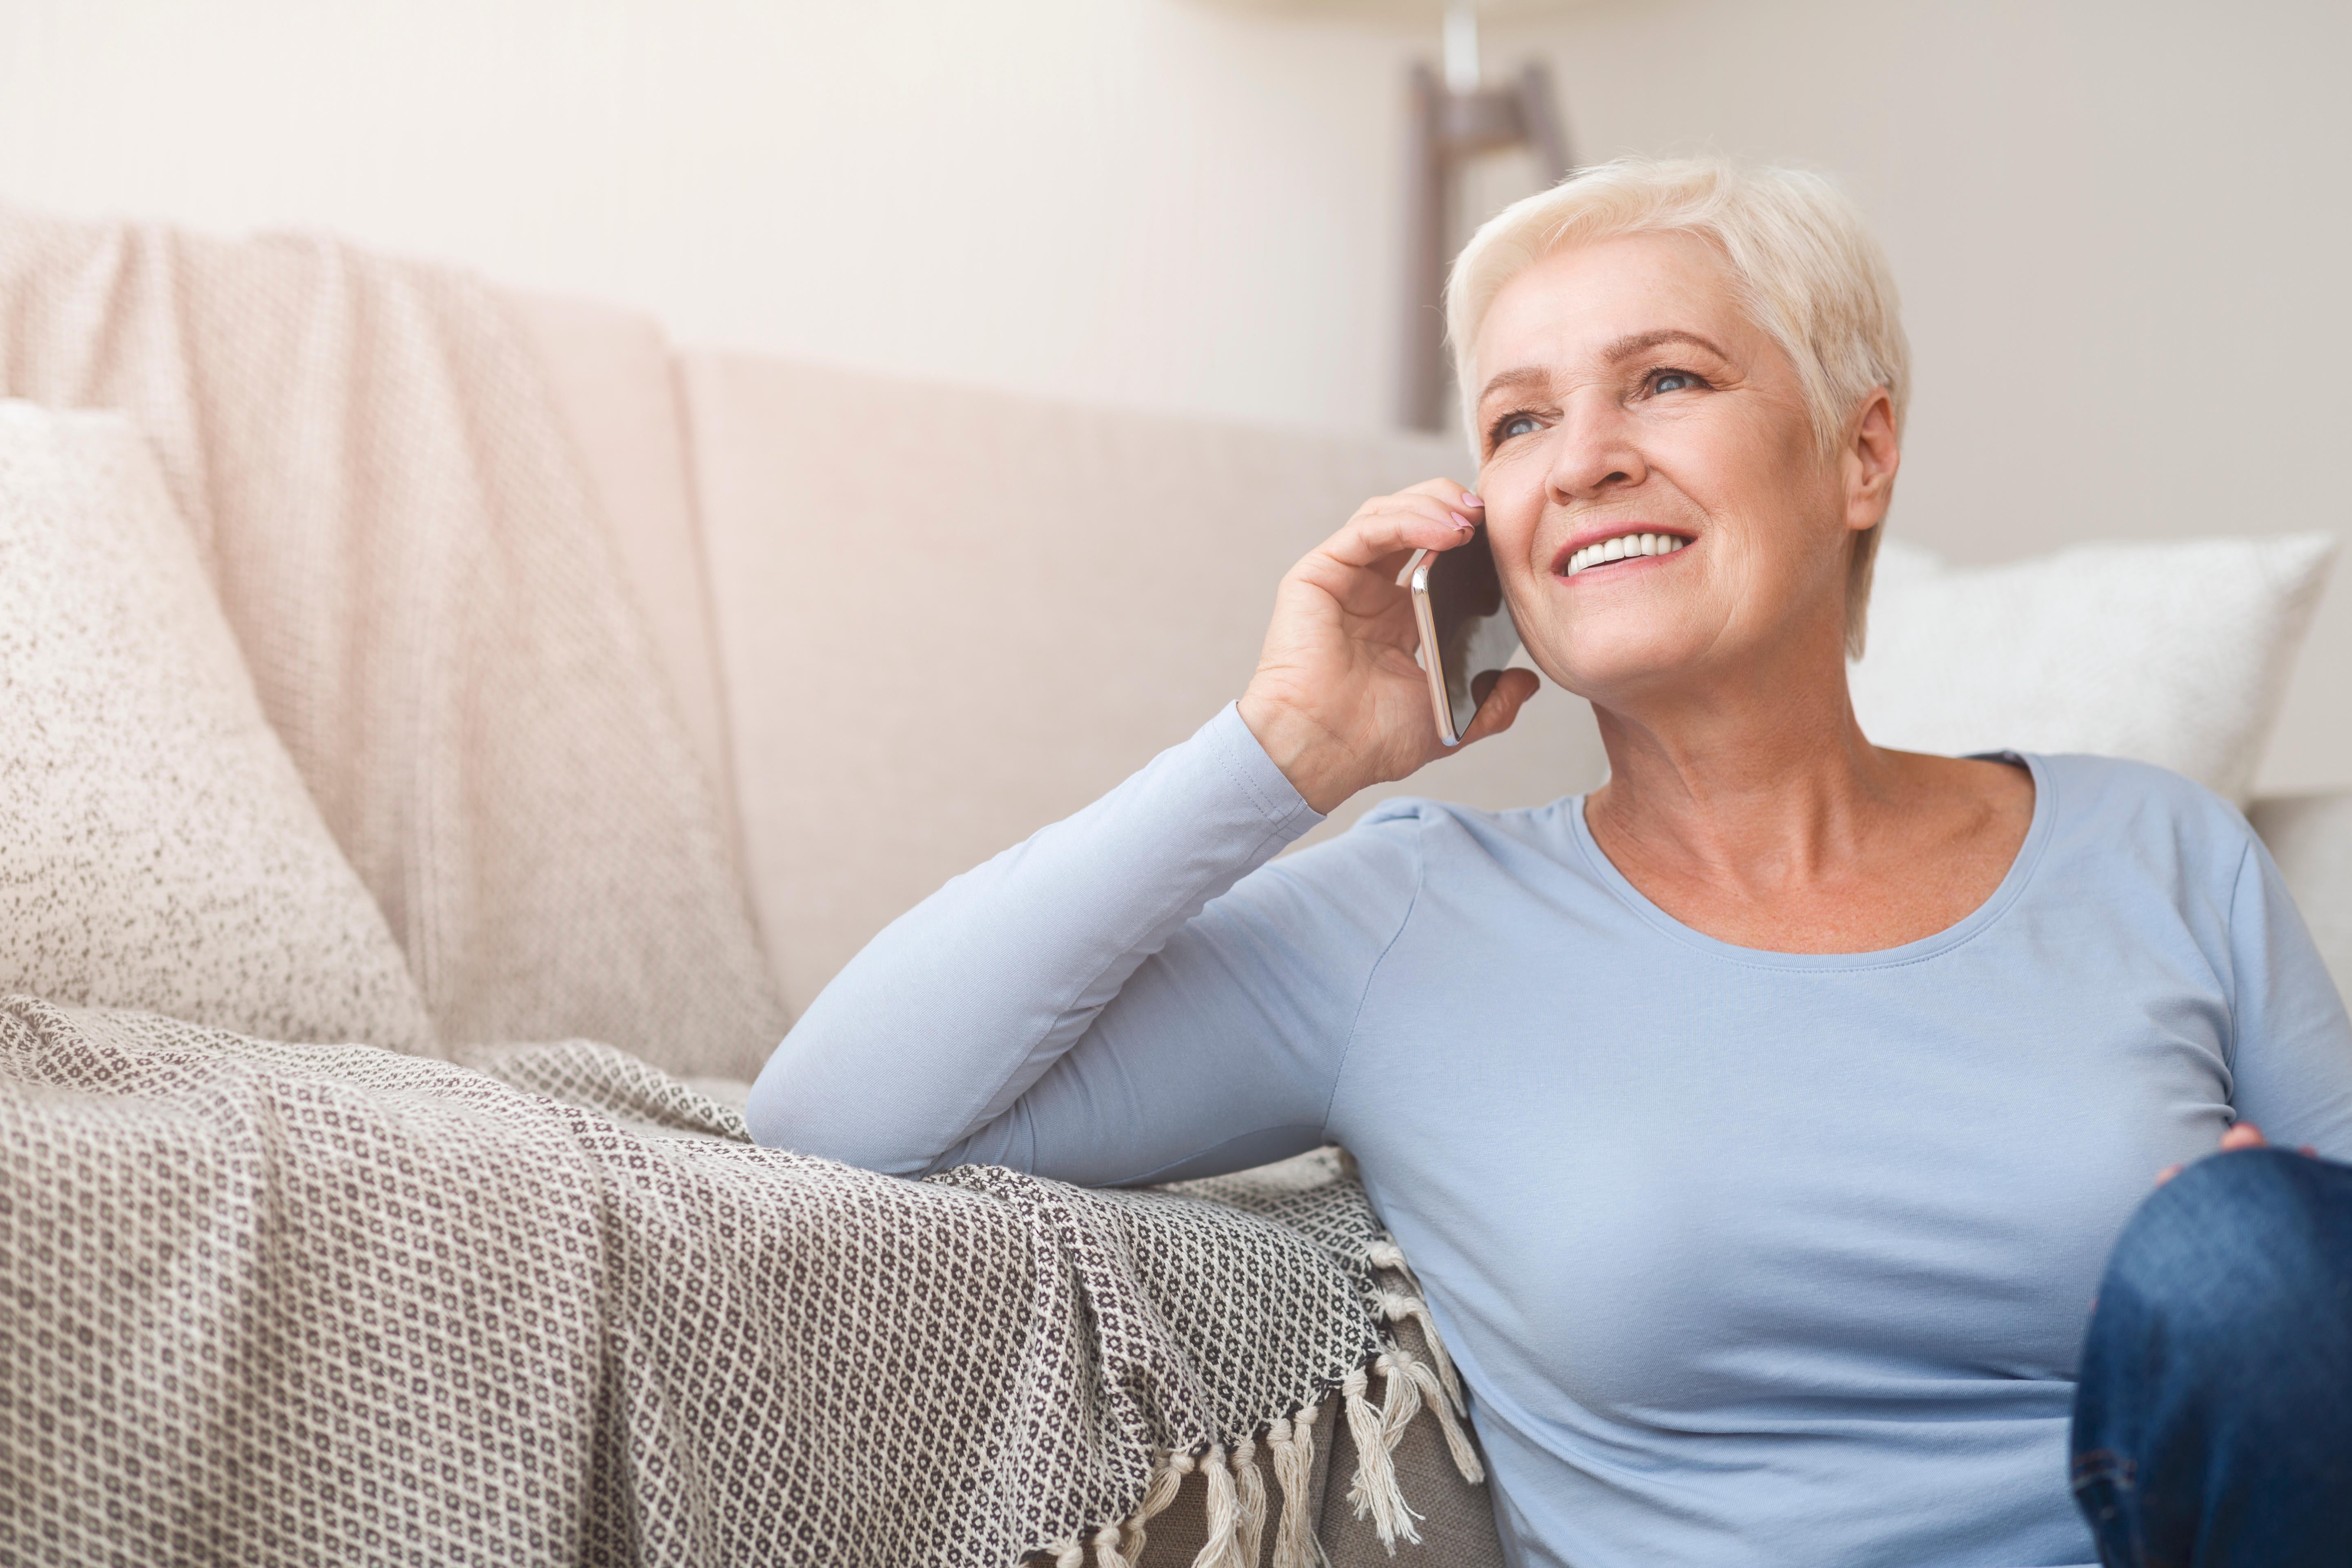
(159, 851)
(2175, 654)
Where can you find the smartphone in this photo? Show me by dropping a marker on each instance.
(1467, 635)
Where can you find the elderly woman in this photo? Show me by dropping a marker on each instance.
(1758, 1121)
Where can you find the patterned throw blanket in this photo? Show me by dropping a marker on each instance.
(268, 1303)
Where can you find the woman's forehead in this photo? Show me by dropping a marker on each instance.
(1585, 304)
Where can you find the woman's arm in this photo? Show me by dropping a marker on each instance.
(1128, 996)
(981, 1025)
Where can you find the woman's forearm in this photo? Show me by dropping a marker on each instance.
(954, 1012)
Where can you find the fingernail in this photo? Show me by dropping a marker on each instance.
(1469, 499)
(1460, 521)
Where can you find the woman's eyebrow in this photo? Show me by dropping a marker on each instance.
(1626, 347)
(1526, 376)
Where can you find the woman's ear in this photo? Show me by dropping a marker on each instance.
(1869, 460)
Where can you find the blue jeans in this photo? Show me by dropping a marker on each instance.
(2213, 1422)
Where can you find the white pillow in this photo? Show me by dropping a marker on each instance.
(2174, 653)
(158, 850)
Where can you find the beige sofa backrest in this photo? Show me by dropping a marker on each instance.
(911, 624)
(947, 618)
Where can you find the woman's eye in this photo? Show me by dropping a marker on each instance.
(1516, 425)
(1673, 381)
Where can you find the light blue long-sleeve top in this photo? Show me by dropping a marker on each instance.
(1747, 1257)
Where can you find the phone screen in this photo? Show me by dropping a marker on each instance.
(1472, 626)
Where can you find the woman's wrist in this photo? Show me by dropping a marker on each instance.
(1318, 766)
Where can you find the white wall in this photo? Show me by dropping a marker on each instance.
(1134, 200)
(2120, 228)
(2118, 223)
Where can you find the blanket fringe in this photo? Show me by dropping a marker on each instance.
(1252, 1487)
(1397, 1308)
(1437, 1395)
(1383, 1252)
(1374, 1491)
(1222, 1548)
(1166, 1482)
(1292, 1444)
(1237, 1504)
(1108, 1541)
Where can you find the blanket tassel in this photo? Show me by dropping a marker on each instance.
(1224, 1547)
(1457, 1442)
(1166, 1482)
(1397, 1308)
(1108, 1541)
(1374, 1491)
(1292, 1443)
(1252, 1485)
(1385, 1253)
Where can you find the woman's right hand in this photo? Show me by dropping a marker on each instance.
(1338, 700)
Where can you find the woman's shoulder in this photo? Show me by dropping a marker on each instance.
(1409, 813)
(1441, 835)
(2113, 802)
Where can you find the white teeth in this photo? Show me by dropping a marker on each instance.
(1622, 546)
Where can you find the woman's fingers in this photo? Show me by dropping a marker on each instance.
(1511, 692)
(1430, 516)
(1337, 701)
(2244, 1135)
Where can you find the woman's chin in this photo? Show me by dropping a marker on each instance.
(1604, 664)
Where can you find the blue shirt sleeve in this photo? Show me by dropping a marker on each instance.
(1132, 995)
(2292, 1068)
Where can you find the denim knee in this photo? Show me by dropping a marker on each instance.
(2237, 1250)
(2214, 1416)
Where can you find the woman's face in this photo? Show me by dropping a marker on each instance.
(1625, 392)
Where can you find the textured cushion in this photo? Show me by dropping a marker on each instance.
(159, 851)
(2175, 653)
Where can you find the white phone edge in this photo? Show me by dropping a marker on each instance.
(1416, 576)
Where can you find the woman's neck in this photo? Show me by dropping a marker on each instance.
(1754, 784)
(1757, 812)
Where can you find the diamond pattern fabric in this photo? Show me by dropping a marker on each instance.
(268, 1303)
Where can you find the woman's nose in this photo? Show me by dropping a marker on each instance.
(1594, 452)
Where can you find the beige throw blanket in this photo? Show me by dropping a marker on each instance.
(401, 538)
(269, 1303)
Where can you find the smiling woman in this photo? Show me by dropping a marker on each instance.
(1759, 1123)
(1797, 261)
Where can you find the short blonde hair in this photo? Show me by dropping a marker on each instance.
(1809, 271)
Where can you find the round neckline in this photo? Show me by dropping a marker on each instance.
(2012, 886)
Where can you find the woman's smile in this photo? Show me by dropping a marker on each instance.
(1616, 544)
